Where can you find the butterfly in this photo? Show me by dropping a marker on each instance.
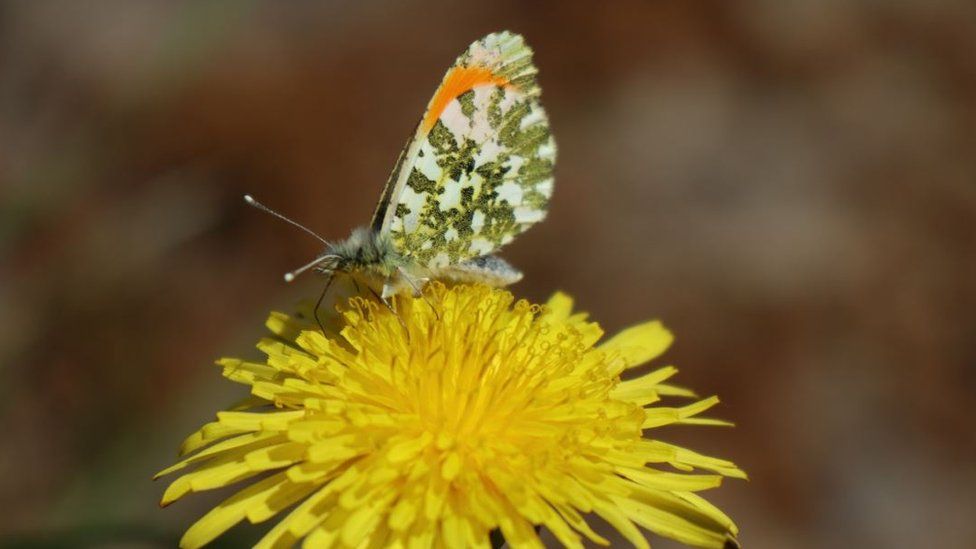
(477, 172)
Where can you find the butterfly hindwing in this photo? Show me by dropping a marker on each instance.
(478, 171)
(487, 269)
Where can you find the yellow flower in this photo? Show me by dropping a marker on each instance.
(463, 413)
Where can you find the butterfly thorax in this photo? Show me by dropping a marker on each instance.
(365, 252)
(371, 258)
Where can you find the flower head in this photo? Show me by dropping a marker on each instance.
(463, 413)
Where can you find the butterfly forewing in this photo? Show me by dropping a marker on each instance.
(479, 169)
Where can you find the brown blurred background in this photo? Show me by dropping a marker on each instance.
(789, 185)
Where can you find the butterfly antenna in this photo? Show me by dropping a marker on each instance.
(250, 200)
(289, 276)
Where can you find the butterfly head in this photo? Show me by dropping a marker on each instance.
(364, 254)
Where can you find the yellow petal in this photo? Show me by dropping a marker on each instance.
(228, 513)
(659, 415)
(362, 522)
(558, 527)
(409, 448)
(321, 538)
(283, 496)
(611, 513)
(214, 474)
(451, 466)
(246, 372)
(403, 514)
(643, 390)
(208, 434)
(662, 480)
(665, 389)
(640, 344)
(284, 326)
(576, 521)
(297, 524)
(275, 456)
(452, 532)
(560, 306)
(670, 525)
(714, 513)
(244, 442)
(254, 421)
(687, 458)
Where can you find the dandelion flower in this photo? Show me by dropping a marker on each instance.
(464, 413)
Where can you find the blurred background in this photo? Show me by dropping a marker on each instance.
(789, 185)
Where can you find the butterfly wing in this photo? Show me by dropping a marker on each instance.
(478, 170)
(487, 269)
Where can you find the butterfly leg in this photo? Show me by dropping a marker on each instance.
(417, 286)
(384, 299)
(318, 304)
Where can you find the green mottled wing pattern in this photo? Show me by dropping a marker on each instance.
(479, 170)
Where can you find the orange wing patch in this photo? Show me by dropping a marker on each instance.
(457, 81)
